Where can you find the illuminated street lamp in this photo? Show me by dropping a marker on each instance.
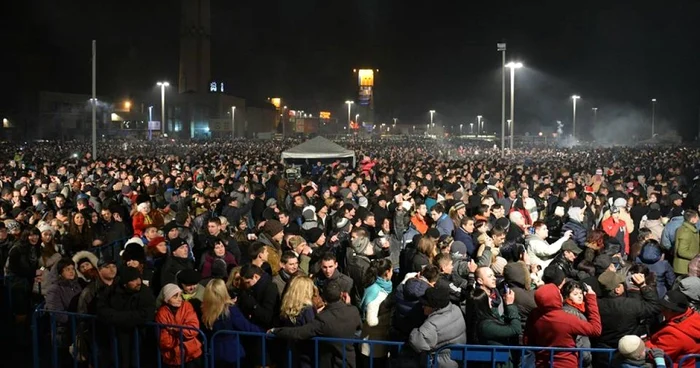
(460, 129)
(653, 116)
(127, 105)
(471, 128)
(349, 103)
(432, 112)
(575, 98)
(512, 66)
(478, 124)
(162, 86)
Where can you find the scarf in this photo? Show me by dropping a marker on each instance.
(372, 292)
(580, 307)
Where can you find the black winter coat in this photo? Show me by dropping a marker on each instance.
(337, 320)
(261, 302)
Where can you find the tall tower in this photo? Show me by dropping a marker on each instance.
(195, 46)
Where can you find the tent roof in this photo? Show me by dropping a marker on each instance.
(317, 147)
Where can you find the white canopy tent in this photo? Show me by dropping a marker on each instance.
(318, 148)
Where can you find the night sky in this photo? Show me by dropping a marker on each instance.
(437, 55)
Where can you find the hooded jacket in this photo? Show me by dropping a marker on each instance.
(515, 276)
(84, 254)
(549, 325)
(578, 232)
(651, 256)
(541, 252)
(408, 312)
(680, 336)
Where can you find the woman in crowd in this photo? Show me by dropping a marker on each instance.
(297, 309)
(218, 252)
(572, 292)
(375, 311)
(425, 252)
(220, 313)
(176, 343)
(21, 270)
(79, 236)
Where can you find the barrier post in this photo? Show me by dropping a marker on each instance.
(35, 335)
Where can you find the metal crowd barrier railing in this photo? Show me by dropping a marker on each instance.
(82, 327)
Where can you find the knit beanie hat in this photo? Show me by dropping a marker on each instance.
(169, 291)
(631, 346)
(273, 227)
(498, 265)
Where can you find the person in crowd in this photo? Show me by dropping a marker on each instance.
(329, 272)
(652, 256)
(631, 352)
(516, 276)
(566, 258)
(425, 253)
(620, 313)
(550, 325)
(419, 218)
(178, 261)
(687, 244)
(573, 295)
(62, 296)
(221, 313)
(408, 313)
(85, 267)
(484, 327)
(339, 319)
(449, 279)
(124, 306)
(218, 252)
(289, 269)
(297, 309)
(80, 235)
(272, 236)
(464, 233)
(681, 331)
(442, 221)
(178, 344)
(259, 298)
(542, 253)
(443, 326)
(575, 224)
(20, 271)
(375, 309)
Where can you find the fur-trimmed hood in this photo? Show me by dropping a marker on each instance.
(84, 254)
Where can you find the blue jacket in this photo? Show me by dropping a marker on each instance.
(668, 236)
(467, 239)
(578, 232)
(445, 225)
(226, 347)
(408, 312)
(651, 256)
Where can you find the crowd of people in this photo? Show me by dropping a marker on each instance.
(429, 243)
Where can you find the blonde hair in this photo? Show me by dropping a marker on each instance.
(233, 278)
(294, 241)
(216, 302)
(298, 296)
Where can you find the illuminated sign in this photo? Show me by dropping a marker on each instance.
(324, 115)
(365, 77)
(214, 87)
(276, 102)
(365, 96)
(134, 125)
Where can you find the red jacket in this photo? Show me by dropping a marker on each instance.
(680, 336)
(139, 222)
(170, 339)
(612, 228)
(549, 325)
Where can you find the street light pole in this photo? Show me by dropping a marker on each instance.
(94, 100)
(502, 48)
(460, 129)
(478, 125)
(653, 117)
(471, 128)
(150, 118)
(575, 97)
(233, 123)
(595, 116)
(162, 86)
(432, 112)
(512, 66)
(349, 103)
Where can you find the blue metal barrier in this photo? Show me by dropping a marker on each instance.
(685, 358)
(371, 343)
(501, 354)
(74, 350)
(237, 336)
(158, 327)
(57, 338)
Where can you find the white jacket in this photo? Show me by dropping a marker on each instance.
(540, 252)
